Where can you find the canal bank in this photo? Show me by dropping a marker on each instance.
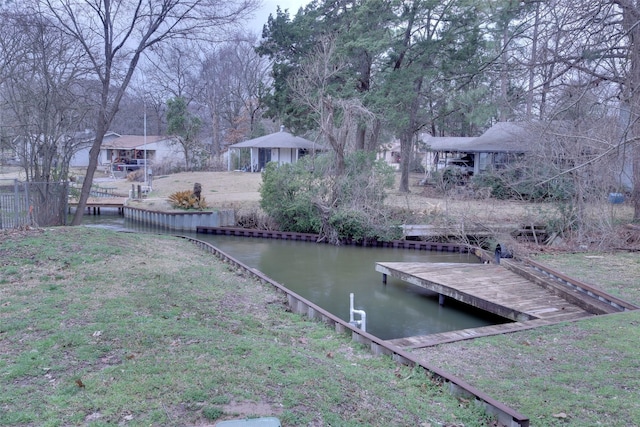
(327, 275)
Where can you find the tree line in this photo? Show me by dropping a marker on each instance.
(353, 73)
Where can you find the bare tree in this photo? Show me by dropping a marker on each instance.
(338, 119)
(172, 69)
(114, 35)
(234, 79)
(43, 94)
(45, 107)
(595, 44)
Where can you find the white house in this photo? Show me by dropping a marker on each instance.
(281, 147)
(81, 156)
(156, 149)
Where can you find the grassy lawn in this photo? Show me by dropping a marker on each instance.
(617, 273)
(103, 328)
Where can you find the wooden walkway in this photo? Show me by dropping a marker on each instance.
(95, 203)
(489, 287)
(422, 341)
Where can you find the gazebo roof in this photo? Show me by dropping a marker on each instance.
(280, 139)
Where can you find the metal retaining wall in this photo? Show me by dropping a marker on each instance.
(505, 415)
(181, 221)
(308, 237)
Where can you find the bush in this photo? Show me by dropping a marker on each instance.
(308, 197)
(525, 184)
(136, 175)
(286, 197)
(187, 200)
(212, 413)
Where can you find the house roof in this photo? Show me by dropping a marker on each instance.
(130, 142)
(280, 139)
(502, 137)
(448, 143)
(514, 137)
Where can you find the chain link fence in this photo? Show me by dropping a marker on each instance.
(34, 204)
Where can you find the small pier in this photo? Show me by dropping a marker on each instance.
(489, 287)
(526, 293)
(95, 203)
(422, 341)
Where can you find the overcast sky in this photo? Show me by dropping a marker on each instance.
(269, 7)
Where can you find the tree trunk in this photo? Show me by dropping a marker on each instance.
(630, 24)
(406, 146)
(94, 153)
(361, 133)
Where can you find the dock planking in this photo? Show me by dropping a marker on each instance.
(489, 287)
(422, 341)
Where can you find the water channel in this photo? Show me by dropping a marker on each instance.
(326, 275)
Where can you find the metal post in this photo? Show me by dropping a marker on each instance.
(145, 144)
(16, 205)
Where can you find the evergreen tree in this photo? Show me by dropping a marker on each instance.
(185, 127)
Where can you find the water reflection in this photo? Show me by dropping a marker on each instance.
(326, 275)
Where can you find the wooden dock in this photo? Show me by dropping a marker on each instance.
(489, 287)
(95, 203)
(422, 341)
(529, 232)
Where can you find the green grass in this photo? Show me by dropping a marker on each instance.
(588, 370)
(102, 328)
(617, 273)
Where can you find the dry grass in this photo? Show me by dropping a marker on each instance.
(220, 189)
(242, 190)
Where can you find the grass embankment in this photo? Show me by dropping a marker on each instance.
(585, 373)
(103, 328)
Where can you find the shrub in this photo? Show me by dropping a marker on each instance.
(136, 175)
(187, 200)
(286, 196)
(309, 197)
(526, 183)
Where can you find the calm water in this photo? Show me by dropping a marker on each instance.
(326, 275)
